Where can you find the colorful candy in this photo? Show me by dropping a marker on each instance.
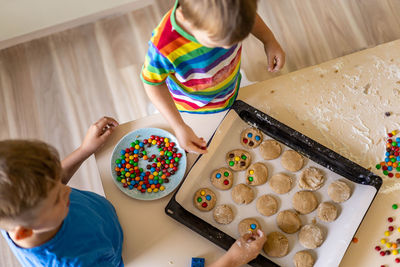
(151, 178)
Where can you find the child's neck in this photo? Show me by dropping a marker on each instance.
(36, 239)
(181, 21)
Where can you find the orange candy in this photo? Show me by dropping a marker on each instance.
(116, 169)
(397, 175)
(145, 157)
(389, 163)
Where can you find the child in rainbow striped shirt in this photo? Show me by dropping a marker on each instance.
(193, 61)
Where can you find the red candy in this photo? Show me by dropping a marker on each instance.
(397, 260)
(245, 140)
(382, 253)
(390, 219)
(226, 182)
(391, 228)
(377, 248)
(204, 205)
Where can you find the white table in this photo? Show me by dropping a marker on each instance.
(340, 104)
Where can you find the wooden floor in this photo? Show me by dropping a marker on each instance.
(54, 87)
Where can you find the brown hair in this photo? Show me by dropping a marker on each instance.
(229, 21)
(28, 170)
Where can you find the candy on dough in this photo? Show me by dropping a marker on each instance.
(238, 159)
(204, 199)
(222, 178)
(257, 174)
(248, 225)
(251, 137)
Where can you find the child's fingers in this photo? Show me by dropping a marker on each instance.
(271, 62)
(103, 122)
(106, 133)
(193, 148)
(280, 61)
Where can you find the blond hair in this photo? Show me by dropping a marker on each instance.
(28, 171)
(229, 21)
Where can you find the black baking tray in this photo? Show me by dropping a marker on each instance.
(291, 138)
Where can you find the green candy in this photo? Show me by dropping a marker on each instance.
(144, 152)
(398, 169)
(135, 164)
(122, 157)
(167, 161)
(161, 181)
(244, 157)
(119, 179)
(141, 169)
(394, 206)
(137, 142)
(123, 172)
(169, 154)
(385, 172)
(176, 159)
(118, 161)
(231, 163)
(133, 144)
(251, 179)
(199, 199)
(378, 166)
(393, 160)
(226, 174)
(131, 162)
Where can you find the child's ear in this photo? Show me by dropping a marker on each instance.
(22, 233)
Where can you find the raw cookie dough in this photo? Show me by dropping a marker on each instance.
(204, 199)
(267, 205)
(257, 174)
(223, 214)
(310, 236)
(251, 138)
(248, 225)
(288, 221)
(270, 149)
(303, 259)
(311, 179)
(339, 191)
(327, 212)
(238, 159)
(304, 202)
(242, 194)
(222, 178)
(280, 183)
(277, 245)
(292, 161)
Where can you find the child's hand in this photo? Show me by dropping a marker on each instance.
(275, 55)
(97, 134)
(247, 247)
(189, 141)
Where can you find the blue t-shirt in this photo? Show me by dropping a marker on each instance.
(89, 236)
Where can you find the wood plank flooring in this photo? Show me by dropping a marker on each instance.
(53, 88)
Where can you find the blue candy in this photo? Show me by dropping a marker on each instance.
(253, 226)
(389, 168)
(249, 135)
(208, 197)
(218, 175)
(387, 159)
(122, 152)
(258, 138)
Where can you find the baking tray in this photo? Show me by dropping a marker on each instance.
(338, 234)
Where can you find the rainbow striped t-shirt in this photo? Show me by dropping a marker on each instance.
(200, 79)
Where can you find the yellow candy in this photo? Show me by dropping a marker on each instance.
(251, 172)
(237, 158)
(398, 229)
(154, 142)
(123, 181)
(201, 193)
(130, 157)
(155, 173)
(394, 252)
(149, 190)
(158, 164)
(155, 190)
(137, 147)
(388, 245)
(387, 233)
(166, 140)
(394, 132)
(162, 188)
(383, 241)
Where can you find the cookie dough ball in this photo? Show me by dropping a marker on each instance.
(277, 245)
(280, 183)
(267, 205)
(339, 191)
(311, 179)
(288, 221)
(242, 194)
(292, 161)
(204, 199)
(270, 149)
(310, 236)
(223, 214)
(257, 174)
(327, 212)
(251, 138)
(222, 178)
(238, 159)
(304, 202)
(303, 259)
(248, 225)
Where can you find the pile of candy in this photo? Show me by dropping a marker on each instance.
(158, 170)
(392, 157)
(390, 247)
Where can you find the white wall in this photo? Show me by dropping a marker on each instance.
(24, 20)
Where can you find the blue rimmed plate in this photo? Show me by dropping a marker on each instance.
(141, 134)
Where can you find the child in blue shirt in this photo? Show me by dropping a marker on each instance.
(47, 223)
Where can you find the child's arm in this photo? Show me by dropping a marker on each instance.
(242, 251)
(95, 137)
(275, 54)
(162, 99)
